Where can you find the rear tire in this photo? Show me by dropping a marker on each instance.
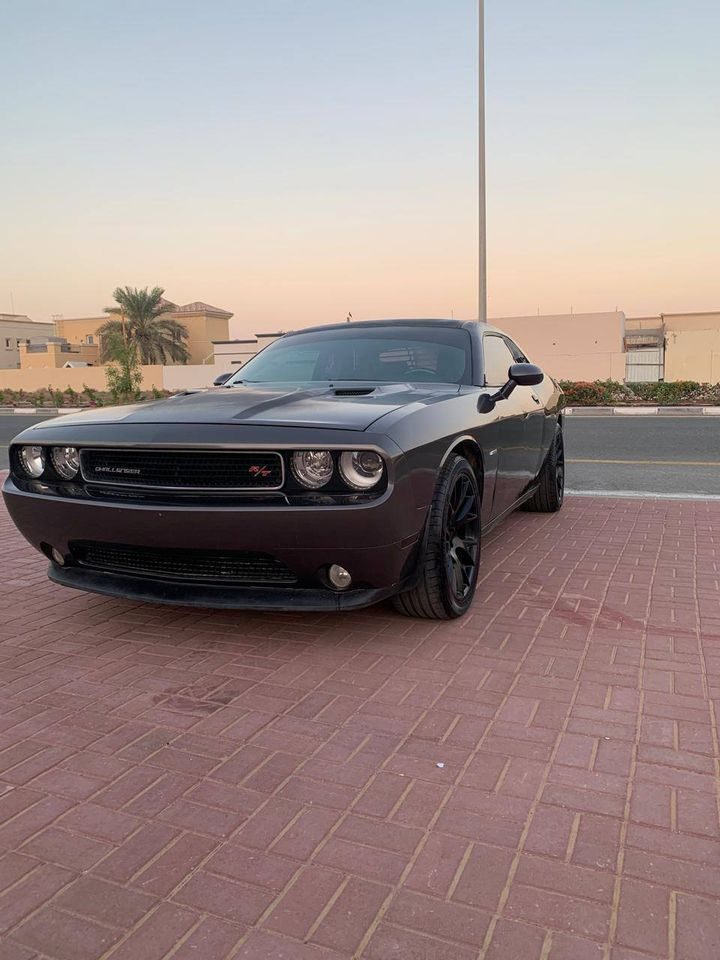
(548, 498)
(451, 558)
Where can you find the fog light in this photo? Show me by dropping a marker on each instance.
(58, 557)
(339, 577)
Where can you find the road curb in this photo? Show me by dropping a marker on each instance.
(39, 411)
(642, 411)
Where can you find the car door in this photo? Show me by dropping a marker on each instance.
(536, 419)
(520, 419)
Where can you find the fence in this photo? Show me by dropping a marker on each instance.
(645, 365)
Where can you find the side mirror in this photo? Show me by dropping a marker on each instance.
(525, 374)
(219, 381)
(519, 375)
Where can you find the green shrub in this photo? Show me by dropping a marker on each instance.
(602, 393)
(598, 393)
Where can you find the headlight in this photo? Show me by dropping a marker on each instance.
(66, 461)
(361, 469)
(32, 460)
(312, 468)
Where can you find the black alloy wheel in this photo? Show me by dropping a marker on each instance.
(462, 536)
(548, 498)
(448, 567)
(559, 468)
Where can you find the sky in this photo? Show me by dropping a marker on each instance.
(296, 160)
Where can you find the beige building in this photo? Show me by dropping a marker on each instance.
(583, 346)
(586, 346)
(57, 353)
(692, 346)
(203, 322)
(16, 330)
(572, 346)
(231, 354)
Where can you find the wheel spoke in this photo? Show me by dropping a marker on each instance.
(462, 536)
(463, 512)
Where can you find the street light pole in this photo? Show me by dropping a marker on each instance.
(482, 255)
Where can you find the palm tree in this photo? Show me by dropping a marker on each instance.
(158, 339)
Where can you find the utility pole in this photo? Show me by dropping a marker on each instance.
(482, 250)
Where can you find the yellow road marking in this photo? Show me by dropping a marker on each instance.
(656, 463)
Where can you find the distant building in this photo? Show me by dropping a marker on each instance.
(17, 329)
(56, 353)
(231, 354)
(203, 322)
(585, 346)
(690, 343)
(572, 346)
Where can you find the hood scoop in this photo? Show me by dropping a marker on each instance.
(354, 391)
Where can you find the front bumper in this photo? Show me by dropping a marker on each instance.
(377, 541)
(216, 596)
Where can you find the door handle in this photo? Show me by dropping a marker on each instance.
(536, 399)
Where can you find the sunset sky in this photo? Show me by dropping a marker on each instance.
(293, 160)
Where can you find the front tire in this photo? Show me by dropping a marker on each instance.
(548, 498)
(451, 558)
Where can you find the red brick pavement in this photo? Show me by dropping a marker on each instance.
(538, 781)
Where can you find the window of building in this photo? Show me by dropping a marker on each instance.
(498, 360)
(90, 339)
(8, 343)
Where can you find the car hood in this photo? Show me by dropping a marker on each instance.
(351, 406)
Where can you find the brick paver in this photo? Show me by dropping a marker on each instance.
(538, 781)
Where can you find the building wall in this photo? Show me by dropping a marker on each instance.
(692, 344)
(231, 354)
(693, 355)
(54, 357)
(77, 378)
(78, 329)
(580, 346)
(691, 321)
(13, 328)
(192, 376)
(202, 329)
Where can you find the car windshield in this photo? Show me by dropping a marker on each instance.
(430, 354)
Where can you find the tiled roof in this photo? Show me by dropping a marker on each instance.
(199, 307)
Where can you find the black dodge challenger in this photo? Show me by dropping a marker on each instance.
(342, 465)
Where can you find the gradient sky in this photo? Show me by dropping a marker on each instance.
(293, 160)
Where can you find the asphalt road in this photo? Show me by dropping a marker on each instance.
(10, 425)
(667, 456)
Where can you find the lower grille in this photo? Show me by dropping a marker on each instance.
(208, 566)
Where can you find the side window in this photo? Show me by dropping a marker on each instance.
(515, 350)
(498, 360)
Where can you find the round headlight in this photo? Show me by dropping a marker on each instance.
(361, 469)
(32, 460)
(312, 468)
(66, 461)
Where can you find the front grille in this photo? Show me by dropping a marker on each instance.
(184, 469)
(209, 566)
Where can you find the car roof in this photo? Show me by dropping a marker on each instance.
(406, 322)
